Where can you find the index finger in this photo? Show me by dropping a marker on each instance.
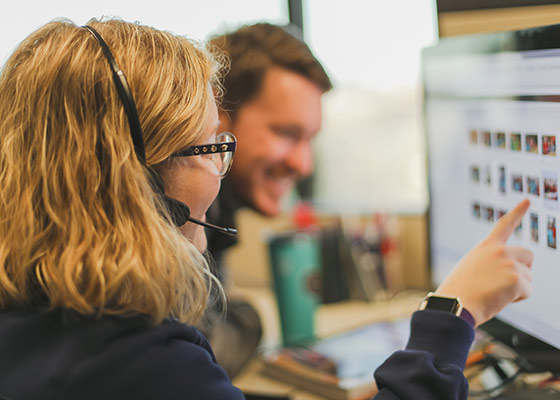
(507, 224)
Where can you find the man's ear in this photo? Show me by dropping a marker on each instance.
(225, 121)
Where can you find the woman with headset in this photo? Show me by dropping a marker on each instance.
(105, 178)
(97, 284)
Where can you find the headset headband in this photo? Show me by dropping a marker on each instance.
(126, 97)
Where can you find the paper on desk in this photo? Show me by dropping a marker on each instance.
(359, 352)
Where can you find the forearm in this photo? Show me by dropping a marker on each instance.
(431, 366)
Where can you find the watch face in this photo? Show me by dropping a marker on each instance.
(442, 304)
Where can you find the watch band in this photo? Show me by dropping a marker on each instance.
(467, 316)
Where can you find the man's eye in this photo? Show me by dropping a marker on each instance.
(287, 133)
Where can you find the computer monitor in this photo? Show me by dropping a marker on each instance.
(492, 123)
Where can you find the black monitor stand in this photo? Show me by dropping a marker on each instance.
(532, 394)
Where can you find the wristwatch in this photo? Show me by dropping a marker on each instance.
(452, 305)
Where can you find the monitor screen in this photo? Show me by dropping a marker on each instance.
(492, 123)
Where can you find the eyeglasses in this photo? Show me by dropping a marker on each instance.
(221, 152)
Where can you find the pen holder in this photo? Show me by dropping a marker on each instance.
(294, 260)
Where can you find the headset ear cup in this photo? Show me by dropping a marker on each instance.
(178, 211)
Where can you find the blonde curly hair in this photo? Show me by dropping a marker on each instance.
(79, 221)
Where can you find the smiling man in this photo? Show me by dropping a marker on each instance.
(272, 103)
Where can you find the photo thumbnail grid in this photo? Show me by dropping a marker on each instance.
(518, 142)
(516, 182)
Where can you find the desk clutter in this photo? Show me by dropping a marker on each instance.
(341, 366)
(497, 372)
(326, 263)
(308, 373)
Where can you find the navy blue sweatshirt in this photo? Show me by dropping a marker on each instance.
(61, 355)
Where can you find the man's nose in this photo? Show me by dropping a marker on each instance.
(300, 158)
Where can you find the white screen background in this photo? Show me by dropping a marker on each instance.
(454, 192)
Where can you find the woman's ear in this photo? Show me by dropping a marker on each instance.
(225, 121)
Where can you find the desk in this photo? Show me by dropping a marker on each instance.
(330, 319)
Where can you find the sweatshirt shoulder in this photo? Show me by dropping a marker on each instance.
(170, 361)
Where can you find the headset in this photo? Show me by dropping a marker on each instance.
(180, 213)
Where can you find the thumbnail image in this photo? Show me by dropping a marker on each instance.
(476, 210)
(500, 140)
(550, 181)
(487, 213)
(549, 145)
(474, 136)
(475, 174)
(517, 183)
(532, 144)
(515, 141)
(488, 175)
(534, 223)
(502, 179)
(533, 186)
(518, 230)
(487, 138)
(551, 232)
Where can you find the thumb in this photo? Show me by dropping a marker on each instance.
(507, 224)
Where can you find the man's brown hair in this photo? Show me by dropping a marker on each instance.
(252, 50)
